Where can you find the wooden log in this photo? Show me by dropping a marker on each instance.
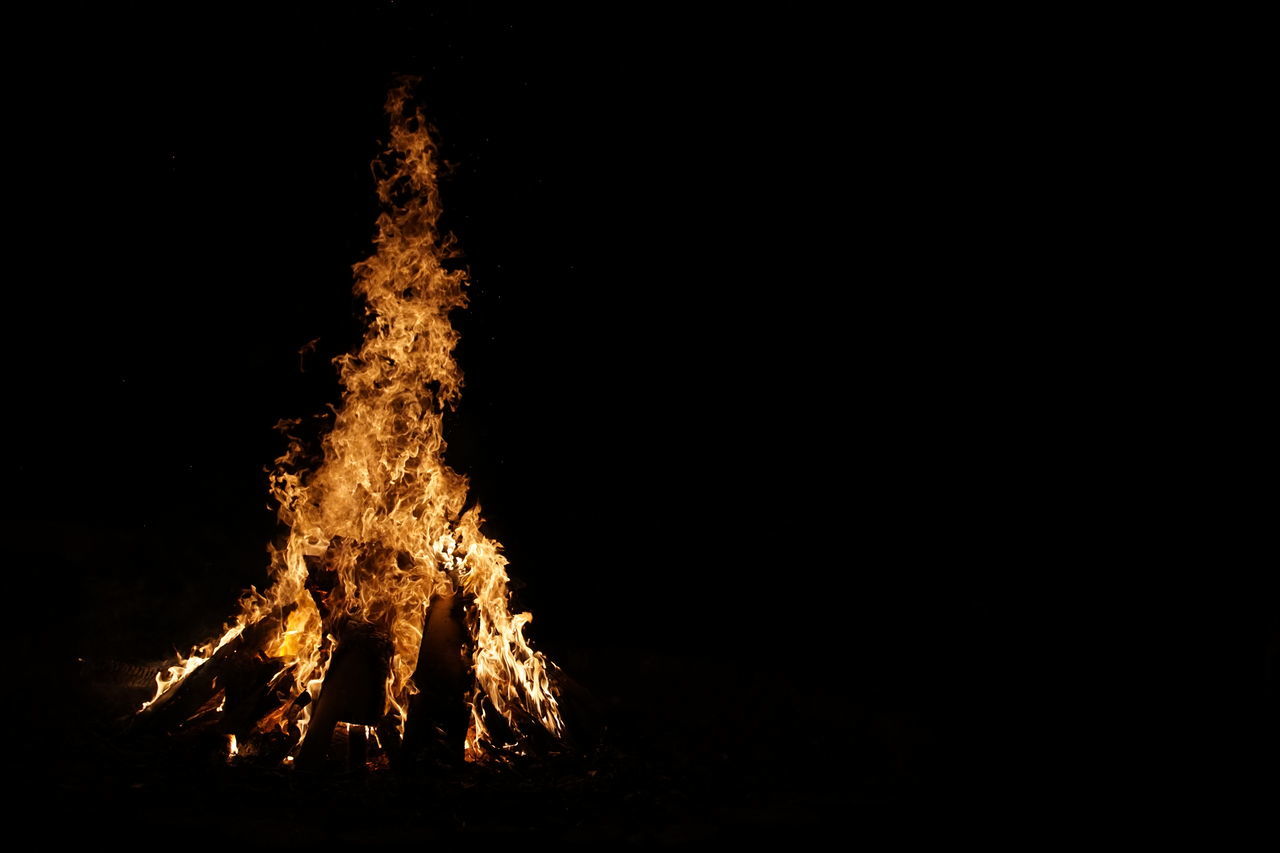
(357, 749)
(199, 689)
(353, 690)
(253, 691)
(436, 727)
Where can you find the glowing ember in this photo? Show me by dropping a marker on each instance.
(382, 525)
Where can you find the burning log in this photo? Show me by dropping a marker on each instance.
(357, 748)
(438, 714)
(240, 662)
(353, 690)
(252, 692)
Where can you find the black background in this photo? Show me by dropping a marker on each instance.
(729, 350)
(804, 367)
(755, 378)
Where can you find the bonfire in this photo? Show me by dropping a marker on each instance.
(387, 621)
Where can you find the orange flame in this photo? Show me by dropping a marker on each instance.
(382, 511)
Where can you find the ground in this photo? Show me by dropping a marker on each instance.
(694, 748)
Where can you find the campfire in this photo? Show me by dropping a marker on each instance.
(387, 621)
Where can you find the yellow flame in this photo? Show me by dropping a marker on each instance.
(382, 517)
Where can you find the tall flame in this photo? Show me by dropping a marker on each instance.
(382, 512)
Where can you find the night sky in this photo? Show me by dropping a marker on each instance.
(725, 343)
(753, 359)
(791, 390)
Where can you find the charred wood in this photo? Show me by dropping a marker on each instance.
(436, 729)
(236, 662)
(353, 690)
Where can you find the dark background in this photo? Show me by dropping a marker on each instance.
(722, 355)
(758, 396)
(726, 300)
(733, 390)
